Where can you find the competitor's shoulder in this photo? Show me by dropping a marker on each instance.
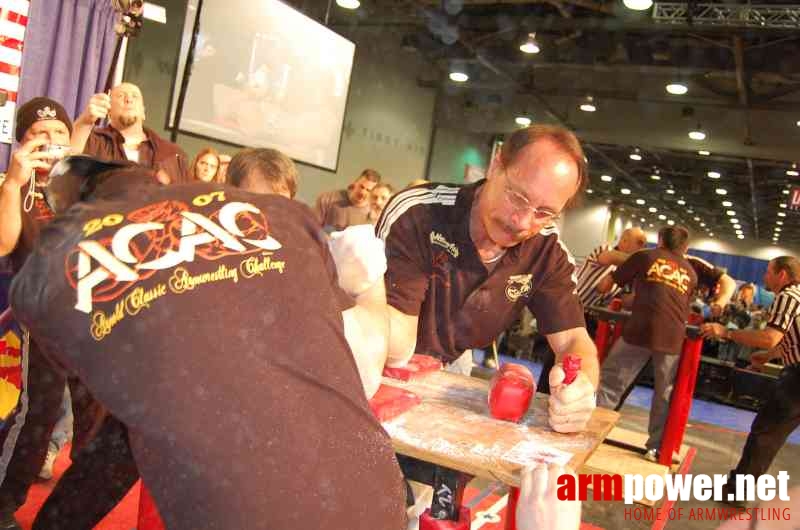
(417, 201)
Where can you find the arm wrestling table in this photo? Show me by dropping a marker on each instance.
(451, 428)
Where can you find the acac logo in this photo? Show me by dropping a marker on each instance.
(120, 264)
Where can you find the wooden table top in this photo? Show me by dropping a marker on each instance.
(452, 427)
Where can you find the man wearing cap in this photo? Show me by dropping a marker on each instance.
(126, 137)
(24, 438)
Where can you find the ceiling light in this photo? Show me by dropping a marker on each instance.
(459, 77)
(793, 172)
(590, 190)
(781, 214)
(778, 228)
(655, 176)
(625, 191)
(650, 225)
(697, 134)
(640, 201)
(786, 192)
(588, 105)
(662, 216)
(696, 218)
(734, 221)
(670, 222)
(711, 234)
(638, 5)
(642, 219)
(727, 204)
(606, 178)
(779, 223)
(652, 209)
(681, 202)
(702, 225)
(798, 123)
(714, 174)
(740, 236)
(677, 89)
(731, 212)
(348, 4)
(721, 191)
(671, 191)
(530, 45)
(522, 120)
(782, 205)
(739, 232)
(636, 155)
(703, 152)
(689, 210)
(737, 226)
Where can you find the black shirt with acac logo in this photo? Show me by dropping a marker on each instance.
(434, 271)
(206, 319)
(663, 284)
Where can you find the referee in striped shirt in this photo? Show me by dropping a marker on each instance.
(780, 415)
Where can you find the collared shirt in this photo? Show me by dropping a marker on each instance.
(784, 315)
(435, 272)
(663, 284)
(334, 211)
(590, 274)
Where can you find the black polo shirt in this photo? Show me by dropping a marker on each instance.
(434, 271)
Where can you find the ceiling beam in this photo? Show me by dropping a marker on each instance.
(751, 174)
(600, 7)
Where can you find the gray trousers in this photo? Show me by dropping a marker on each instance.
(619, 371)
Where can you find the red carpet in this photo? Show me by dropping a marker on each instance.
(123, 517)
(487, 507)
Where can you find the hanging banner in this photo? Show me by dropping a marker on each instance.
(13, 21)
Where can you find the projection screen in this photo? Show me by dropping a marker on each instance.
(265, 75)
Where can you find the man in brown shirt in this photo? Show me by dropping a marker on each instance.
(213, 331)
(663, 282)
(464, 260)
(126, 137)
(339, 209)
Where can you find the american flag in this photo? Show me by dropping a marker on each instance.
(13, 21)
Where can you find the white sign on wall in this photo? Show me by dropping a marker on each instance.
(13, 21)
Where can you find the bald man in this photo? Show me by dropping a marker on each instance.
(126, 137)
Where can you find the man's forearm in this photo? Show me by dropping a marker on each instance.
(367, 332)
(10, 217)
(81, 130)
(755, 338)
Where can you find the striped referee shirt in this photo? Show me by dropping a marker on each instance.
(784, 315)
(590, 274)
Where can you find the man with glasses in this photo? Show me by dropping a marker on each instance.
(464, 260)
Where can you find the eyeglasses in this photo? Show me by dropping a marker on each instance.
(521, 205)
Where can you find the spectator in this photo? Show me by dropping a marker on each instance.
(378, 198)
(339, 209)
(205, 166)
(126, 137)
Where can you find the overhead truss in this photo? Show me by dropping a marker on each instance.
(732, 15)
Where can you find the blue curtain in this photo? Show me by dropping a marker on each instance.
(68, 48)
(741, 268)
